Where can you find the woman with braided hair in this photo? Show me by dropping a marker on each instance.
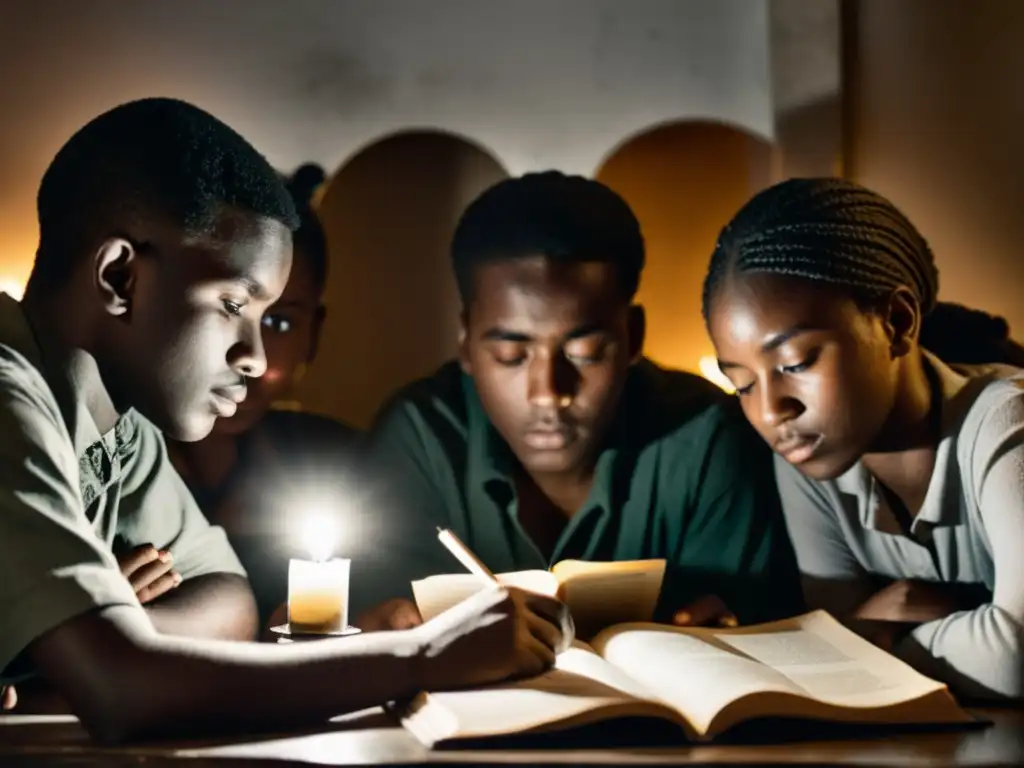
(901, 476)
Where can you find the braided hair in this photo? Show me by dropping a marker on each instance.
(833, 231)
(309, 239)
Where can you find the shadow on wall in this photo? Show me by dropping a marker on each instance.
(389, 213)
(684, 180)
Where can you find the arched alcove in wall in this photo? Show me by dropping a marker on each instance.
(684, 180)
(389, 213)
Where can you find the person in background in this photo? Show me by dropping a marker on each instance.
(259, 471)
(164, 239)
(901, 476)
(552, 437)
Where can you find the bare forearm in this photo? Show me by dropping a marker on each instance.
(246, 687)
(200, 687)
(218, 606)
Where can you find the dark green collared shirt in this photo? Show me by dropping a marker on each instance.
(683, 477)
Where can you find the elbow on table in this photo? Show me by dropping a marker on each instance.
(108, 665)
(123, 707)
(995, 672)
(112, 720)
(1009, 686)
(108, 729)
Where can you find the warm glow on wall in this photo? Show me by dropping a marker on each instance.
(17, 252)
(709, 370)
(12, 287)
(684, 181)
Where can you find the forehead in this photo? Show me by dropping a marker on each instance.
(241, 245)
(301, 287)
(751, 308)
(537, 290)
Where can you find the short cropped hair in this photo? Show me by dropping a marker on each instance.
(155, 156)
(563, 218)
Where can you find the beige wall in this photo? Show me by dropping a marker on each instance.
(319, 80)
(936, 122)
(390, 212)
(392, 305)
(684, 181)
(538, 83)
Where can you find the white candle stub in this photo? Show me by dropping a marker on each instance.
(318, 595)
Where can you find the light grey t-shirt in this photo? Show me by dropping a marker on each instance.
(969, 530)
(71, 499)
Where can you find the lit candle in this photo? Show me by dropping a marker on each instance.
(318, 588)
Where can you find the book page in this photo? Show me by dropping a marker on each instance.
(702, 671)
(436, 594)
(602, 594)
(832, 664)
(581, 688)
(695, 675)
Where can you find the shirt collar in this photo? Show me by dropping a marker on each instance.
(958, 392)
(491, 461)
(39, 349)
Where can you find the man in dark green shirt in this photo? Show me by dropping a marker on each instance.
(553, 438)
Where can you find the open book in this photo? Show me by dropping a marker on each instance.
(598, 594)
(705, 681)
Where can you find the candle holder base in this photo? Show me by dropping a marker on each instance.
(288, 635)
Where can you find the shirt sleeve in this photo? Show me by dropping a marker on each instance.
(980, 653)
(734, 541)
(405, 506)
(157, 508)
(832, 578)
(53, 567)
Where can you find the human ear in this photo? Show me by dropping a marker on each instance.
(902, 321)
(114, 274)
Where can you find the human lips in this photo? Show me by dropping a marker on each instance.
(798, 447)
(227, 399)
(548, 438)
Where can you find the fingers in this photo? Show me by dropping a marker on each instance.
(160, 586)
(550, 608)
(138, 557)
(546, 618)
(151, 571)
(8, 698)
(533, 656)
(557, 613)
(707, 611)
(405, 616)
(543, 630)
(397, 614)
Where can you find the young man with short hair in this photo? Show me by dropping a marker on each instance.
(553, 438)
(164, 236)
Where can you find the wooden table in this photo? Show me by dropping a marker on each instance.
(373, 738)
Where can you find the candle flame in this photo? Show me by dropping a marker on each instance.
(319, 536)
(709, 370)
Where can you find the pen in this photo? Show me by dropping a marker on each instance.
(472, 563)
